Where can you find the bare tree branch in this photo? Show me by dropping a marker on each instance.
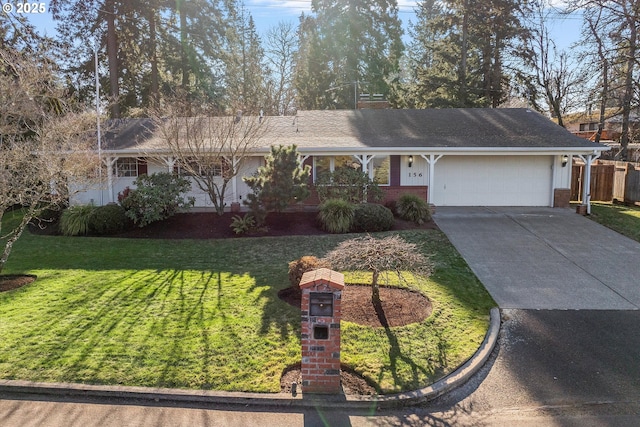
(209, 149)
(389, 254)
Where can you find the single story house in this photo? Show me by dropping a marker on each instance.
(451, 157)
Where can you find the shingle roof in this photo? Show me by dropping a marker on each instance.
(397, 129)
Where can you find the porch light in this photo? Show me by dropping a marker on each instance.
(565, 160)
(410, 161)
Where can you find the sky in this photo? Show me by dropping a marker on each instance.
(268, 13)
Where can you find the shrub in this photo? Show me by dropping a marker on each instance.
(372, 217)
(336, 215)
(156, 197)
(413, 208)
(76, 220)
(109, 219)
(392, 205)
(351, 185)
(241, 225)
(300, 266)
(281, 182)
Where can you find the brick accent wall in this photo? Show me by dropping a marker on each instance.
(391, 193)
(561, 197)
(320, 334)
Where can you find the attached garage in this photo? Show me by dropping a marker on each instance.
(492, 181)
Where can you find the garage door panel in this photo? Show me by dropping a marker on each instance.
(492, 181)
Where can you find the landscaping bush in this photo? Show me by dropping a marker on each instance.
(76, 220)
(156, 197)
(372, 217)
(336, 215)
(109, 219)
(413, 208)
(242, 224)
(392, 205)
(300, 266)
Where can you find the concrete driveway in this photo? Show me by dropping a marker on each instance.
(545, 258)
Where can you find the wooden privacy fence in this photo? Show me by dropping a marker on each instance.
(609, 181)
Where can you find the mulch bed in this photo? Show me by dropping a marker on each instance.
(399, 307)
(9, 282)
(210, 225)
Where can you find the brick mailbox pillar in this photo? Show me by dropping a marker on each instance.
(320, 332)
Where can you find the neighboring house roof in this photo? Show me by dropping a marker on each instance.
(441, 130)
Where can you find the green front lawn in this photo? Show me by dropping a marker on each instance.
(623, 219)
(206, 315)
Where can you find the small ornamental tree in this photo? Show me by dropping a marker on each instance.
(390, 254)
(156, 197)
(282, 181)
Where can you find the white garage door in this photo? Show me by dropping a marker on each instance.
(492, 181)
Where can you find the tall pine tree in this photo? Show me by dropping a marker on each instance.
(461, 46)
(349, 47)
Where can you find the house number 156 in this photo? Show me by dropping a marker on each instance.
(415, 174)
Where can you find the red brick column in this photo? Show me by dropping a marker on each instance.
(320, 331)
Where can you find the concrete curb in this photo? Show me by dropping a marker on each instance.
(282, 400)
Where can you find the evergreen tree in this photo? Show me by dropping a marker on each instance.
(351, 47)
(246, 71)
(148, 47)
(461, 46)
(279, 183)
(313, 77)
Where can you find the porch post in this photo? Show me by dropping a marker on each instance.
(110, 163)
(586, 185)
(234, 178)
(431, 161)
(364, 161)
(170, 162)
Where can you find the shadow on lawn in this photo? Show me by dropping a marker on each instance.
(396, 356)
(166, 288)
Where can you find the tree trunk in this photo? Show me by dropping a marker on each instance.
(112, 53)
(15, 235)
(155, 84)
(628, 84)
(603, 101)
(184, 57)
(462, 73)
(375, 289)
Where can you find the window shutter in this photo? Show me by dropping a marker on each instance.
(142, 167)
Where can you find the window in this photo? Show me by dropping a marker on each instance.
(379, 166)
(126, 167)
(205, 167)
(321, 165)
(588, 126)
